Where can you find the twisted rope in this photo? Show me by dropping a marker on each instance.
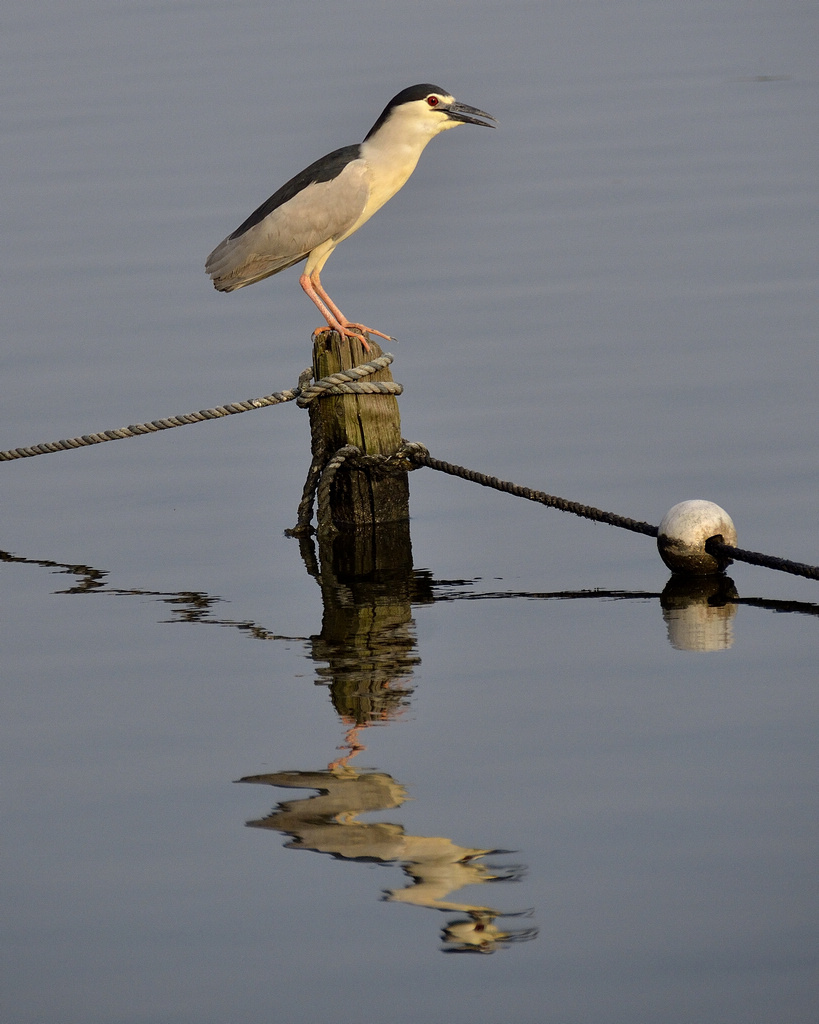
(346, 382)
(325, 483)
(716, 547)
(421, 457)
(322, 473)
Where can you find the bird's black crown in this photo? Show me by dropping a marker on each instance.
(408, 95)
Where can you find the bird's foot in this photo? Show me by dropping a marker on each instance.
(370, 330)
(358, 331)
(342, 332)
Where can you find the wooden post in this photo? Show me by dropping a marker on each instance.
(360, 497)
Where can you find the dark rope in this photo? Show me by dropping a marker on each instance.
(324, 512)
(714, 545)
(586, 511)
(323, 471)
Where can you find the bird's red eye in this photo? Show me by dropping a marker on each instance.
(432, 101)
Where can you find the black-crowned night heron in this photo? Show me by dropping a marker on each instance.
(332, 198)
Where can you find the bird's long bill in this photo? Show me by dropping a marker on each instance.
(469, 115)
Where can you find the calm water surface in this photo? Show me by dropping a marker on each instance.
(241, 787)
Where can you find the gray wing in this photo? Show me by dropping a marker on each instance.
(289, 226)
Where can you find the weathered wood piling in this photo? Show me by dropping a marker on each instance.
(363, 530)
(361, 497)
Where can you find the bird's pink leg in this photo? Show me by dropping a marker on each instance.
(340, 319)
(335, 320)
(316, 281)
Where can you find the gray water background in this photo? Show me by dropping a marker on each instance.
(612, 298)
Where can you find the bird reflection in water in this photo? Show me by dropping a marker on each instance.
(329, 822)
(479, 934)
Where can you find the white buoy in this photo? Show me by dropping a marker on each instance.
(683, 532)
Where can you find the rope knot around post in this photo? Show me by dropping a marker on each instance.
(401, 462)
(351, 382)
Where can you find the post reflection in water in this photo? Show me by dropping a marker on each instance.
(366, 654)
(328, 822)
(366, 651)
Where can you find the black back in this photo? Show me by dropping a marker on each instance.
(325, 169)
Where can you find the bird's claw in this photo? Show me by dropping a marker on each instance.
(358, 331)
(372, 330)
(342, 332)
